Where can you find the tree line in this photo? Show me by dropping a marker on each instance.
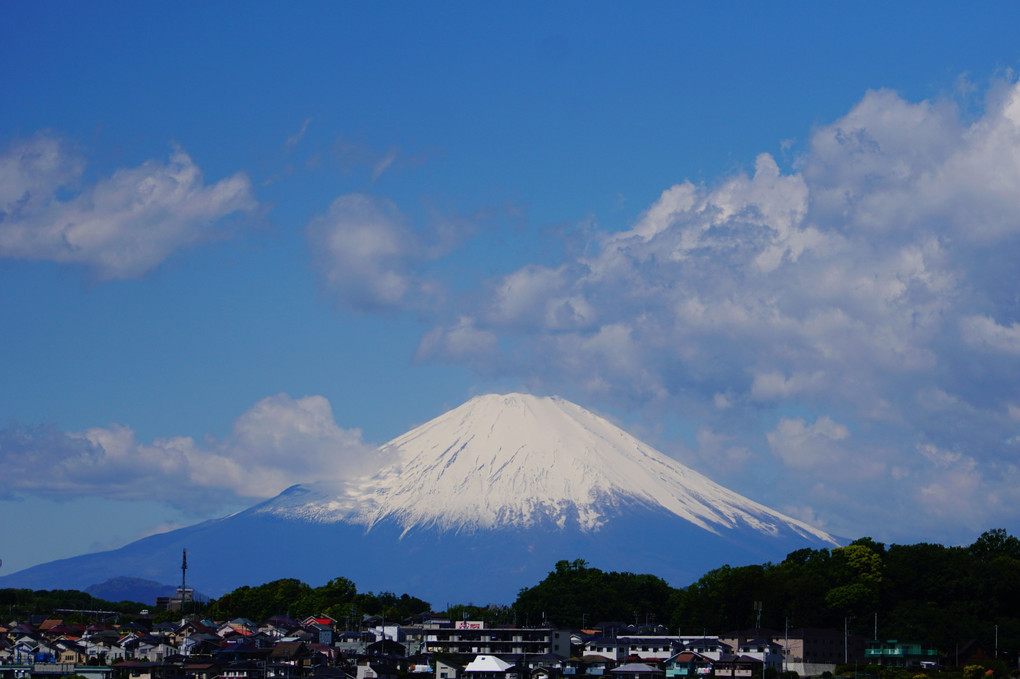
(945, 596)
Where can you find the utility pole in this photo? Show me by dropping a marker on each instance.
(846, 639)
(786, 646)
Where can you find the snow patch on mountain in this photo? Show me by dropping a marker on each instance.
(521, 461)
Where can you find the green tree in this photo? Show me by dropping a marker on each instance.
(574, 593)
(994, 543)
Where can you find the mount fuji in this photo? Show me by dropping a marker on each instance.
(471, 507)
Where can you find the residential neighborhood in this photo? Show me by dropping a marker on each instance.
(320, 647)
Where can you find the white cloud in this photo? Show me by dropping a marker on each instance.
(802, 446)
(890, 165)
(278, 442)
(773, 385)
(985, 332)
(367, 252)
(120, 227)
(462, 341)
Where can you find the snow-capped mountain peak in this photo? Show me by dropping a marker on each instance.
(519, 461)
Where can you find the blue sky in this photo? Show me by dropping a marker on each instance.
(243, 243)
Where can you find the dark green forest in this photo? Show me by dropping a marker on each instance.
(940, 595)
(944, 596)
(338, 599)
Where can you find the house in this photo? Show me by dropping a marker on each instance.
(191, 627)
(242, 626)
(606, 647)
(636, 670)
(323, 634)
(167, 630)
(419, 664)
(546, 673)
(199, 644)
(688, 664)
(376, 669)
(486, 667)
(895, 653)
(589, 665)
(153, 649)
(244, 669)
(202, 670)
(386, 647)
(103, 648)
(648, 646)
(318, 620)
(711, 647)
(135, 669)
(738, 666)
(769, 652)
(354, 643)
(293, 653)
(324, 654)
(241, 652)
(548, 661)
(66, 651)
(448, 669)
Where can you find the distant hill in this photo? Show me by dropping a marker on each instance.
(134, 589)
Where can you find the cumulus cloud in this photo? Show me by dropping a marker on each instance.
(461, 341)
(871, 288)
(984, 332)
(120, 227)
(278, 442)
(801, 445)
(366, 252)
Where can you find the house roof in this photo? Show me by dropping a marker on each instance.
(289, 649)
(634, 667)
(487, 663)
(690, 656)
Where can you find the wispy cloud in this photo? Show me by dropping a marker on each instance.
(383, 164)
(295, 139)
(120, 227)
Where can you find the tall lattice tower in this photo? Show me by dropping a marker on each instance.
(184, 570)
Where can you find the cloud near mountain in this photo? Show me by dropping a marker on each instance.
(278, 442)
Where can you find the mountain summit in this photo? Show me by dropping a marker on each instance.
(518, 461)
(471, 506)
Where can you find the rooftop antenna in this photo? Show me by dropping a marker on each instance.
(757, 615)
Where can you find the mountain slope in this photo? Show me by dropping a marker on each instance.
(475, 504)
(517, 460)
